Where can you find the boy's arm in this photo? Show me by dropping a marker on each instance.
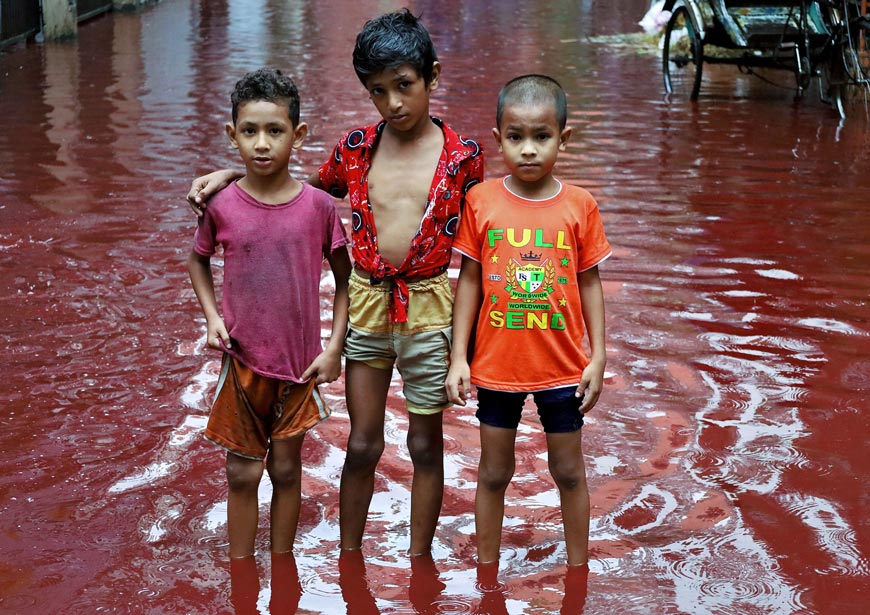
(592, 299)
(314, 180)
(465, 309)
(205, 186)
(198, 266)
(327, 366)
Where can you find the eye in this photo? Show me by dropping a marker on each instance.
(248, 131)
(543, 137)
(376, 92)
(275, 131)
(404, 85)
(513, 138)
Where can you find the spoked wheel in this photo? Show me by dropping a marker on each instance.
(851, 77)
(682, 55)
(848, 68)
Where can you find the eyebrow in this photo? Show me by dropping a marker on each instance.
(268, 124)
(401, 76)
(533, 127)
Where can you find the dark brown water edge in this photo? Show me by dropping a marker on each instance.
(726, 462)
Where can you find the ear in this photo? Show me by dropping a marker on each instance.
(299, 135)
(436, 73)
(564, 137)
(231, 134)
(497, 135)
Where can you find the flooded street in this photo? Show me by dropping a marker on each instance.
(727, 461)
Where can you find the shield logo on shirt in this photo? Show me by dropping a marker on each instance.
(530, 277)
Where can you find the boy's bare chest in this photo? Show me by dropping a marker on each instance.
(397, 185)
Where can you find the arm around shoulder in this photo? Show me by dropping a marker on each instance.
(206, 186)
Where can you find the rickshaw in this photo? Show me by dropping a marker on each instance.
(822, 39)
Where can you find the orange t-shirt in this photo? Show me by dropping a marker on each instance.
(530, 327)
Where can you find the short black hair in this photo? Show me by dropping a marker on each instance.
(533, 89)
(267, 84)
(391, 40)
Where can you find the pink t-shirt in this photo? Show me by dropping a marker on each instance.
(273, 257)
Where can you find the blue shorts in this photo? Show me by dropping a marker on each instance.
(558, 408)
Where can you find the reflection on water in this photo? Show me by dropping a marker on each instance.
(724, 460)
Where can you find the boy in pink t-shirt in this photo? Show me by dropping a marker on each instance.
(275, 232)
(531, 246)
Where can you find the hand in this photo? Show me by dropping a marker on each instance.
(205, 186)
(217, 330)
(591, 384)
(458, 383)
(325, 368)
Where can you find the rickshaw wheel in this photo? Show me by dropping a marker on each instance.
(682, 55)
(850, 77)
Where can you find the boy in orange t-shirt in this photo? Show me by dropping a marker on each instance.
(531, 247)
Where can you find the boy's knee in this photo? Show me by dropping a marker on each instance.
(495, 479)
(243, 474)
(363, 453)
(568, 475)
(426, 451)
(284, 474)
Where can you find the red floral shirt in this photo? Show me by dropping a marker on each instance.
(346, 173)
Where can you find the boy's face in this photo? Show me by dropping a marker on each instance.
(265, 136)
(401, 95)
(530, 140)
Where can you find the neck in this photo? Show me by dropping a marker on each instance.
(271, 189)
(545, 188)
(424, 128)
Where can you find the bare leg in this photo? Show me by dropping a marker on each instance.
(426, 446)
(284, 464)
(566, 466)
(243, 479)
(244, 585)
(493, 476)
(366, 388)
(286, 588)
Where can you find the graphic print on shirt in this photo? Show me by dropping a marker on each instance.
(533, 283)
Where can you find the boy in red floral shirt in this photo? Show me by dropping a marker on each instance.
(406, 179)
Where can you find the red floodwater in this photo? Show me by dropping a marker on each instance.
(727, 460)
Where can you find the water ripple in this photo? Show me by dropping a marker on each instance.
(833, 533)
(726, 574)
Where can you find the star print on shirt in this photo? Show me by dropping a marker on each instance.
(563, 302)
(493, 258)
(565, 261)
(493, 298)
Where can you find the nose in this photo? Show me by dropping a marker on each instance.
(527, 148)
(262, 141)
(394, 102)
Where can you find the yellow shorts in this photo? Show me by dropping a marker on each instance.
(419, 348)
(251, 410)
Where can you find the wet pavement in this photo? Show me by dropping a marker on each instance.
(726, 459)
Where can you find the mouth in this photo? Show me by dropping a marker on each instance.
(398, 119)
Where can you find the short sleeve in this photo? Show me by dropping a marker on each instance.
(204, 240)
(332, 173)
(474, 174)
(335, 233)
(466, 238)
(595, 247)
